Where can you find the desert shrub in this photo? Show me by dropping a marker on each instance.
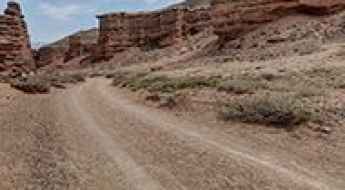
(159, 83)
(119, 77)
(152, 83)
(4, 78)
(240, 86)
(96, 74)
(166, 84)
(125, 78)
(269, 75)
(67, 78)
(307, 91)
(34, 85)
(271, 109)
(197, 82)
(76, 77)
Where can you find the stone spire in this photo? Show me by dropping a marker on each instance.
(13, 9)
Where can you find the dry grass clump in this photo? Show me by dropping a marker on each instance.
(267, 108)
(65, 78)
(159, 83)
(32, 85)
(60, 80)
(41, 83)
(4, 78)
(240, 86)
(273, 97)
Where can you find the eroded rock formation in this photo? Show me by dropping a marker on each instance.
(147, 30)
(232, 19)
(50, 55)
(61, 52)
(15, 49)
(75, 48)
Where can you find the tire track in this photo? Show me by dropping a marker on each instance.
(135, 174)
(138, 112)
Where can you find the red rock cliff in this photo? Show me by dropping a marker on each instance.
(147, 30)
(231, 19)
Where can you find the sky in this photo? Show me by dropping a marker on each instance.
(51, 20)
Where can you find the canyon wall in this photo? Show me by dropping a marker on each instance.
(227, 19)
(232, 19)
(75, 48)
(196, 20)
(148, 30)
(59, 53)
(79, 46)
(50, 55)
(15, 49)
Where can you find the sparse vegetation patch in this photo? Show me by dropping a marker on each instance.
(267, 108)
(159, 83)
(31, 85)
(240, 86)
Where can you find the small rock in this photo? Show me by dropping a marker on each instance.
(167, 101)
(326, 130)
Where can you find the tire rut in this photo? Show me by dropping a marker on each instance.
(134, 173)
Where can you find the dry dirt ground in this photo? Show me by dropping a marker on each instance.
(93, 136)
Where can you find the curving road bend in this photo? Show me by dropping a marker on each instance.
(93, 137)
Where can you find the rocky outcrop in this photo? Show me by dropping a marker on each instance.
(148, 30)
(321, 6)
(232, 19)
(75, 48)
(61, 52)
(15, 49)
(50, 55)
(196, 21)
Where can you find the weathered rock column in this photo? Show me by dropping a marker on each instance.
(15, 50)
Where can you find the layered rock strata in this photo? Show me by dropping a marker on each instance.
(15, 49)
(232, 19)
(148, 30)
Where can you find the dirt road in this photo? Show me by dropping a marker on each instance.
(93, 137)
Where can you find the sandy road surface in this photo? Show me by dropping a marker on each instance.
(93, 137)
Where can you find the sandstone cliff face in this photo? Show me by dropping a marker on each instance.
(121, 31)
(68, 48)
(75, 48)
(50, 55)
(148, 30)
(232, 19)
(196, 21)
(15, 50)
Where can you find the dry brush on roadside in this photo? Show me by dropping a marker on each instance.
(268, 108)
(42, 83)
(283, 98)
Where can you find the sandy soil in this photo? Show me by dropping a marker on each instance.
(94, 137)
